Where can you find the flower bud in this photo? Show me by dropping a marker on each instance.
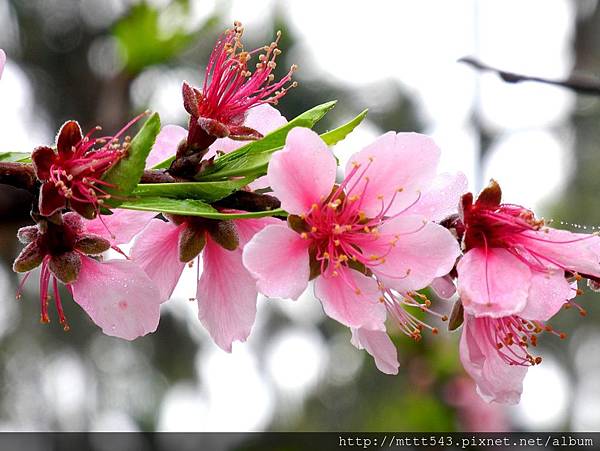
(30, 257)
(28, 234)
(457, 316)
(490, 195)
(65, 266)
(92, 244)
(225, 234)
(191, 242)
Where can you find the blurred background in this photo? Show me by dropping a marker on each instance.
(102, 62)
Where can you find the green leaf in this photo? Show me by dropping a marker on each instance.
(148, 35)
(231, 163)
(253, 163)
(164, 164)
(126, 174)
(336, 135)
(16, 157)
(190, 207)
(207, 191)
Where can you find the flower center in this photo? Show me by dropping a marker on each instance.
(513, 337)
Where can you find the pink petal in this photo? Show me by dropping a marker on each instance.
(226, 296)
(247, 228)
(156, 251)
(393, 162)
(380, 346)
(121, 226)
(118, 296)
(440, 199)
(422, 251)
(2, 61)
(575, 251)
(166, 144)
(547, 295)
(263, 118)
(496, 380)
(495, 284)
(259, 183)
(303, 173)
(443, 287)
(352, 299)
(277, 257)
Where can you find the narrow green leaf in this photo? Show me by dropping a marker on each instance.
(165, 163)
(206, 191)
(274, 140)
(126, 174)
(336, 135)
(254, 164)
(16, 157)
(190, 207)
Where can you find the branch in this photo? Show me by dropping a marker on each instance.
(580, 85)
(248, 201)
(19, 175)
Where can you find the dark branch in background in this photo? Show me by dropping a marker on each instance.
(578, 84)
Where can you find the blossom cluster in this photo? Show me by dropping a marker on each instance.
(369, 242)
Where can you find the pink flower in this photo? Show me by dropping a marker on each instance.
(2, 61)
(72, 174)
(226, 292)
(515, 275)
(365, 239)
(231, 89)
(117, 295)
(494, 352)
(514, 265)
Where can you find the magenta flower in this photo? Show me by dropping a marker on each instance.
(72, 174)
(226, 292)
(514, 264)
(231, 89)
(117, 295)
(2, 61)
(364, 239)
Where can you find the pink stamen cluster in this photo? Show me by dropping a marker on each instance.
(230, 89)
(73, 173)
(512, 336)
(338, 228)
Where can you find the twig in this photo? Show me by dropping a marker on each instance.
(578, 84)
(19, 175)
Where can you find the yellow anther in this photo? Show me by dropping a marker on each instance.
(304, 235)
(313, 229)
